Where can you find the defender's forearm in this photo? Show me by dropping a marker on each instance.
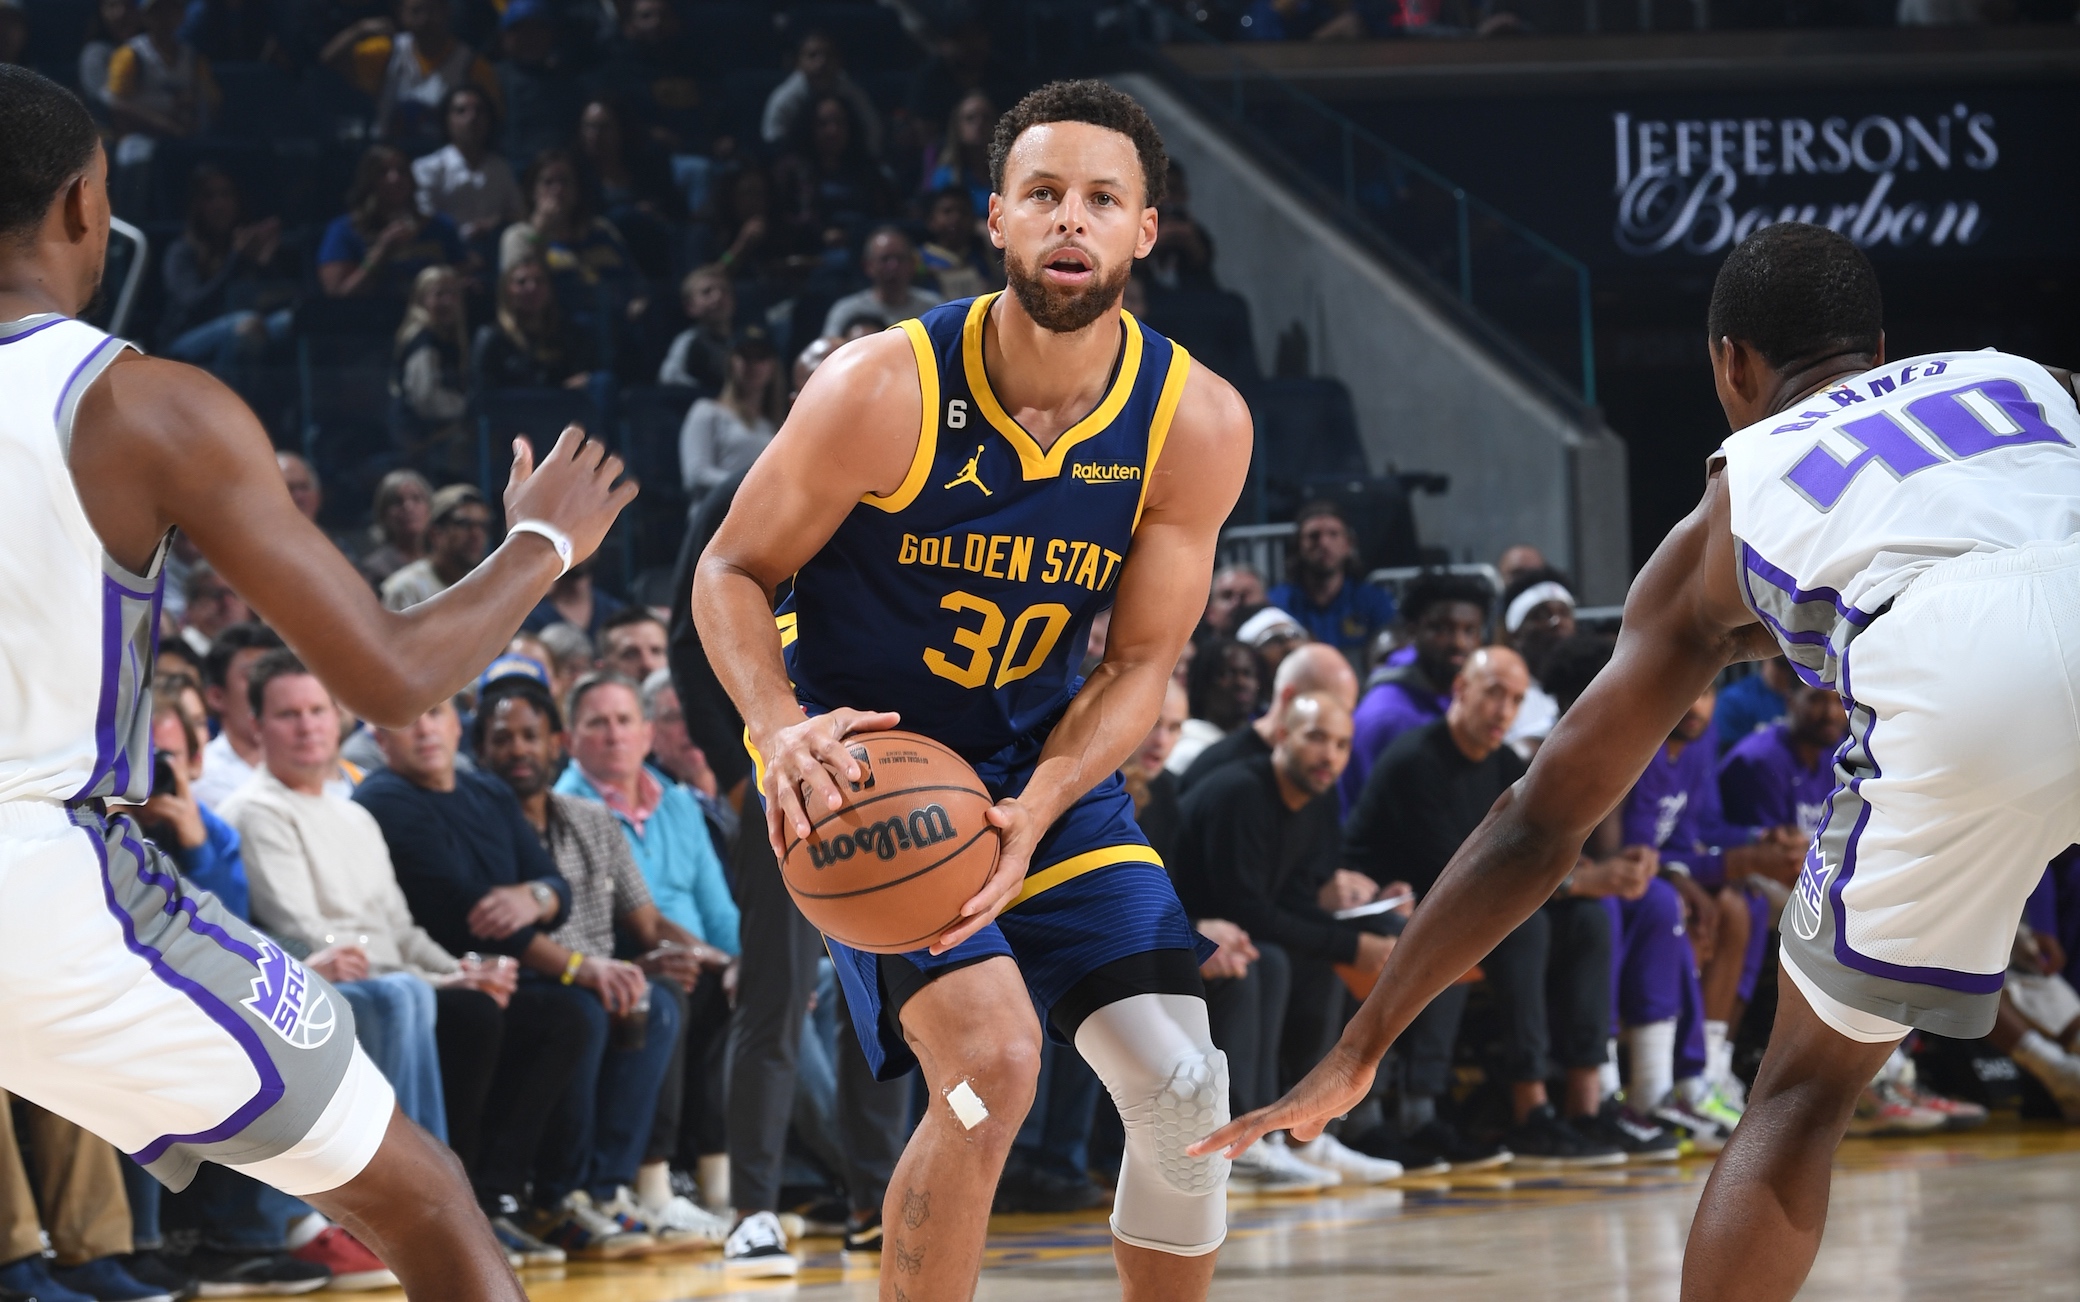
(435, 648)
(1499, 877)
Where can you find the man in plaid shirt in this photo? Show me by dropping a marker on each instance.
(520, 740)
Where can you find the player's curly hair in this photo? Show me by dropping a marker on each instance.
(1796, 293)
(1083, 101)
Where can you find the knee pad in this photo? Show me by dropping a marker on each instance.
(1170, 1084)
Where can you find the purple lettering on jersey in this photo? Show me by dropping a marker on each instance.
(1822, 478)
(1963, 425)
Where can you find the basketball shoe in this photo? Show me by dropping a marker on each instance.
(1331, 1154)
(757, 1249)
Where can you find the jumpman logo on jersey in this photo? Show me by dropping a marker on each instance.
(969, 476)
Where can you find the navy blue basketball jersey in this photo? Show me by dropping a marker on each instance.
(964, 599)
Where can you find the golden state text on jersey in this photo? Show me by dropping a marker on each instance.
(964, 599)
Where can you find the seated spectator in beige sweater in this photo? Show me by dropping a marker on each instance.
(318, 866)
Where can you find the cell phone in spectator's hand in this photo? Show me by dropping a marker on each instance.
(163, 781)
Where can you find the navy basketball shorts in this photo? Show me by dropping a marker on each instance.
(1097, 921)
(137, 1007)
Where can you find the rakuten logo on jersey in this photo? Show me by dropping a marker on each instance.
(1680, 183)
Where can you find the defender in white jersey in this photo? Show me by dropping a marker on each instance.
(1908, 533)
(130, 1002)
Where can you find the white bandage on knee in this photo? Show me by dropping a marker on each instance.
(1157, 1059)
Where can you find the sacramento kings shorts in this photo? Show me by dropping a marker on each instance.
(1958, 781)
(137, 1007)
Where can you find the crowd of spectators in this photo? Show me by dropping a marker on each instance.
(570, 959)
(558, 940)
(536, 195)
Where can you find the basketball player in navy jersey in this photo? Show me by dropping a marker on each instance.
(130, 1002)
(955, 499)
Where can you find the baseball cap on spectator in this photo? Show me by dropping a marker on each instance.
(1268, 625)
(523, 685)
(453, 498)
(754, 341)
(509, 666)
(519, 11)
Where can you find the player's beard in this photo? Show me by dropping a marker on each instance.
(1065, 311)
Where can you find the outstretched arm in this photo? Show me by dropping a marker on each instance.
(1684, 622)
(158, 445)
(1162, 589)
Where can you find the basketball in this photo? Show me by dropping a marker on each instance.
(890, 871)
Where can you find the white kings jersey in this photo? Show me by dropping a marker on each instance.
(76, 629)
(1840, 502)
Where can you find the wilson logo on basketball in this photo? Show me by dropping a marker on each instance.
(885, 839)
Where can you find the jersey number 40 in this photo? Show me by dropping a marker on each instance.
(1964, 422)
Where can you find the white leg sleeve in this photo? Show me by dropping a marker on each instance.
(1156, 1056)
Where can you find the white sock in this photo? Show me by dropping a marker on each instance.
(1651, 1051)
(305, 1228)
(712, 1173)
(1718, 1054)
(1416, 1112)
(2034, 1050)
(1607, 1081)
(654, 1184)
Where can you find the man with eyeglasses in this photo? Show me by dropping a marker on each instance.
(456, 541)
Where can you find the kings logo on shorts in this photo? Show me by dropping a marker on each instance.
(1809, 897)
(284, 999)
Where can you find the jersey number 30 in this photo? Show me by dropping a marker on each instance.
(1964, 422)
(981, 643)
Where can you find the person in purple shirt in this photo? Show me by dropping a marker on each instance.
(1782, 774)
(1779, 776)
(1662, 994)
(1447, 619)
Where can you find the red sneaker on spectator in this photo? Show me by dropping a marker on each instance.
(354, 1268)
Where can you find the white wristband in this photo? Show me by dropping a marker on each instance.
(556, 538)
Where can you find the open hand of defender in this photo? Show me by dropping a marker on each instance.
(804, 764)
(1336, 1085)
(573, 490)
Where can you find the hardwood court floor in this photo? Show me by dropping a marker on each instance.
(1993, 1214)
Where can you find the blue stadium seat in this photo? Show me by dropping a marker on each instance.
(870, 35)
(261, 102)
(731, 37)
(1213, 325)
(744, 92)
(650, 421)
(538, 415)
(343, 385)
(57, 32)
